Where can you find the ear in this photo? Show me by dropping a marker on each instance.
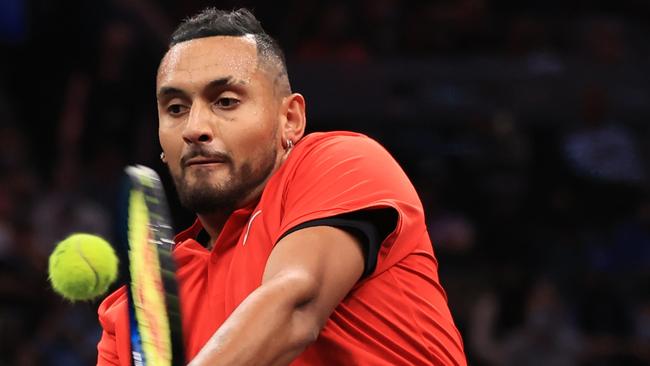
(293, 118)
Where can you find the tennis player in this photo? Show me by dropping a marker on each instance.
(307, 249)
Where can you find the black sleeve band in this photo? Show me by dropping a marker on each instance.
(370, 227)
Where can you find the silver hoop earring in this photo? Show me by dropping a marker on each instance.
(162, 156)
(289, 144)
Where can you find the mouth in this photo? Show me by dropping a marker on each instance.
(201, 161)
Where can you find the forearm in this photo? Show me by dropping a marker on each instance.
(272, 326)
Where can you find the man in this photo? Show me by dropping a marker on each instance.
(307, 250)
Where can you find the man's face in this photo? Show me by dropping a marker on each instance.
(218, 122)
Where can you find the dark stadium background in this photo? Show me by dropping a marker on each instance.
(523, 125)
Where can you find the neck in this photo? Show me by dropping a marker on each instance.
(213, 224)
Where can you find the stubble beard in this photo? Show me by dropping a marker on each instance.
(206, 197)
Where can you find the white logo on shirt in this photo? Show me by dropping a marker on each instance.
(250, 222)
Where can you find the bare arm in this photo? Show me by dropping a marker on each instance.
(307, 275)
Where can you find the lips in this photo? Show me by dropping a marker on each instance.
(203, 161)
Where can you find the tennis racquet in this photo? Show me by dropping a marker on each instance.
(150, 271)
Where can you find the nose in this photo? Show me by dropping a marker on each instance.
(198, 128)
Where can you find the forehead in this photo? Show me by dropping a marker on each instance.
(204, 59)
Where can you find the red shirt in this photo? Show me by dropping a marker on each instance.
(398, 315)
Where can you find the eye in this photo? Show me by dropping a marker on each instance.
(227, 103)
(176, 109)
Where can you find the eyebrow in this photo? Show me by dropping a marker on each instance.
(167, 91)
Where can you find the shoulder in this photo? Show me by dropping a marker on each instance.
(340, 160)
(337, 169)
(337, 141)
(338, 148)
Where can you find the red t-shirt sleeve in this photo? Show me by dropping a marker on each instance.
(341, 174)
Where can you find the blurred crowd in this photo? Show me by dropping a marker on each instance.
(522, 125)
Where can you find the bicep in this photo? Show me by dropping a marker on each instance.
(325, 263)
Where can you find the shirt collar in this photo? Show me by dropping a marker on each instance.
(192, 231)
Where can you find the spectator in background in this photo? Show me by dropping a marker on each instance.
(545, 337)
(333, 38)
(603, 41)
(381, 25)
(531, 38)
(602, 149)
(604, 159)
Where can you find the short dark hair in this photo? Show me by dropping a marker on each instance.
(237, 23)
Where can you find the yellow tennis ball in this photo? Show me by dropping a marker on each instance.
(82, 267)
